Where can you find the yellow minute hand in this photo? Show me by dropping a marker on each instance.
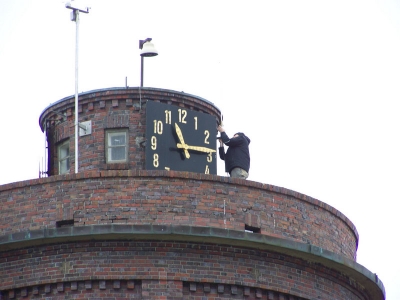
(180, 136)
(196, 148)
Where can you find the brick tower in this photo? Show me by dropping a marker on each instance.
(118, 229)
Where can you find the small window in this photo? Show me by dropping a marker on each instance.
(117, 146)
(63, 158)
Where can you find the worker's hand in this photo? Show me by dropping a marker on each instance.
(220, 128)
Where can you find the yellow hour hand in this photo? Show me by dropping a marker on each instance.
(196, 148)
(180, 136)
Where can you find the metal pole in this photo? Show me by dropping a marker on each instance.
(76, 91)
(141, 72)
(75, 17)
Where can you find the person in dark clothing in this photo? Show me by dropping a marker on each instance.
(237, 157)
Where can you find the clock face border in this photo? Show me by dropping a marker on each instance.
(198, 129)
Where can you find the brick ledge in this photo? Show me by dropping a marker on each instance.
(187, 233)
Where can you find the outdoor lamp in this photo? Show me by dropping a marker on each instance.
(148, 50)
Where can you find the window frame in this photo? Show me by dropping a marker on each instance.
(108, 148)
(67, 158)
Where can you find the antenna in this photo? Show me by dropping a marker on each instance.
(75, 18)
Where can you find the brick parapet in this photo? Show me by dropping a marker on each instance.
(170, 197)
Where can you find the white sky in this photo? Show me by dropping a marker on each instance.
(314, 84)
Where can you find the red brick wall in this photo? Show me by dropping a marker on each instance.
(167, 270)
(179, 198)
(107, 109)
(88, 289)
(162, 200)
(117, 268)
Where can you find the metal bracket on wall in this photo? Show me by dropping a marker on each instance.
(85, 128)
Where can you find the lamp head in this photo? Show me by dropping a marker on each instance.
(148, 49)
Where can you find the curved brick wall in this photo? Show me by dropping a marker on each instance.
(119, 231)
(147, 269)
(108, 109)
(138, 200)
(162, 197)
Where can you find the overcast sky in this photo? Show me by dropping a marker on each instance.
(314, 84)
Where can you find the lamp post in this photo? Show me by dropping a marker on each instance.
(75, 18)
(148, 50)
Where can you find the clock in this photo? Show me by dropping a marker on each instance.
(180, 139)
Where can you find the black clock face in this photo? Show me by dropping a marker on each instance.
(180, 139)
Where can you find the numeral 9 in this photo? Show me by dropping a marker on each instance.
(153, 143)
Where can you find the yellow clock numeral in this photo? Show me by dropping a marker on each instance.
(207, 170)
(195, 123)
(155, 160)
(158, 127)
(167, 117)
(182, 115)
(207, 135)
(153, 143)
(209, 157)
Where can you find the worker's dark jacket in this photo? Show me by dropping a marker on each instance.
(237, 155)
